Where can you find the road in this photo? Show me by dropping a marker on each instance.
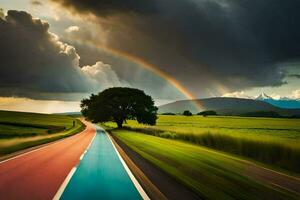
(102, 174)
(84, 166)
(40, 173)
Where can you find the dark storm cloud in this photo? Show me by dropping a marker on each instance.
(234, 43)
(111, 7)
(294, 75)
(36, 64)
(1, 13)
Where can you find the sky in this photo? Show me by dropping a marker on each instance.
(56, 52)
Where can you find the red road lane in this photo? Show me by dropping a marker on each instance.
(39, 174)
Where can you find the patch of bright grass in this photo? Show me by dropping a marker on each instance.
(270, 140)
(211, 174)
(20, 130)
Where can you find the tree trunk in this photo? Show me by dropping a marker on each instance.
(119, 123)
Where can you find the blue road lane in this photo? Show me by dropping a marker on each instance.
(100, 174)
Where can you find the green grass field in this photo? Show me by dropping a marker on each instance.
(211, 174)
(20, 130)
(274, 141)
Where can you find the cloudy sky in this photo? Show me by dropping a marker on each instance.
(55, 52)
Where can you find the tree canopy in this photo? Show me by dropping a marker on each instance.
(119, 104)
(187, 113)
(207, 113)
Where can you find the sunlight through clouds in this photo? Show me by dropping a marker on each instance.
(39, 106)
(103, 75)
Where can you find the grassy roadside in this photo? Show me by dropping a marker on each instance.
(268, 140)
(211, 174)
(12, 145)
(24, 130)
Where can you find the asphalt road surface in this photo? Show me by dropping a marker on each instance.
(102, 174)
(40, 173)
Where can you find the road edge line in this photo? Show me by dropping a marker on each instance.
(151, 189)
(64, 184)
(131, 176)
(40, 148)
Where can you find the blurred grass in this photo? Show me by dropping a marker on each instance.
(270, 140)
(211, 174)
(20, 130)
(28, 124)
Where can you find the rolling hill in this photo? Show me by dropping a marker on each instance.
(226, 106)
(21, 130)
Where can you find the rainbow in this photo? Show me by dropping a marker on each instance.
(150, 67)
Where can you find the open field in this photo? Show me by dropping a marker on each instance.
(270, 140)
(21, 124)
(211, 174)
(22, 130)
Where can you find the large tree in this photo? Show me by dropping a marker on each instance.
(118, 104)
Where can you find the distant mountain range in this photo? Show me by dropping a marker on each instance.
(226, 106)
(282, 102)
(231, 106)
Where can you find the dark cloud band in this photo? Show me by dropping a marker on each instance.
(105, 7)
(294, 76)
(36, 64)
(204, 44)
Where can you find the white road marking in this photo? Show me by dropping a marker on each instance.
(40, 148)
(133, 179)
(64, 185)
(71, 173)
(81, 156)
